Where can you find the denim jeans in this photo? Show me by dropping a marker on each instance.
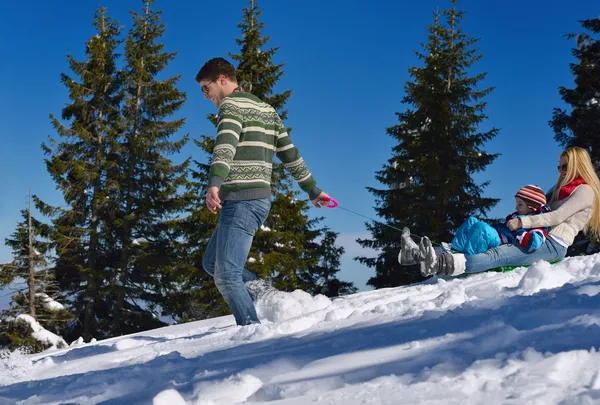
(227, 252)
(511, 255)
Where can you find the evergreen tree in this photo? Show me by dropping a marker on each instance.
(40, 297)
(283, 248)
(581, 125)
(80, 165)
(321, 278)
(118, 241)
(429, 178)
(147, 227)
(29, 264)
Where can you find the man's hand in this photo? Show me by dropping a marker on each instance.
(213, 202)
(514, 224)
(322, 200)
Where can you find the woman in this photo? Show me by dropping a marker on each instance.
(575, 206)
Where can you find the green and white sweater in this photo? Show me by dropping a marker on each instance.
(249, 134)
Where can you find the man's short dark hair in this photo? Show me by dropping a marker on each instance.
(215, 68)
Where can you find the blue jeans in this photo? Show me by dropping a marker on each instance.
(511, 255)
(227, 252)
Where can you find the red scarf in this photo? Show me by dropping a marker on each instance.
(567, 189)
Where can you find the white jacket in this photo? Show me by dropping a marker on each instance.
(568, 216)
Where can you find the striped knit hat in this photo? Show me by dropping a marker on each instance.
(532, 195)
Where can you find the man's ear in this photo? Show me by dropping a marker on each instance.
(222, 80)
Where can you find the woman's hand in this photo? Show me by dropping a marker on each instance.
(514, 224)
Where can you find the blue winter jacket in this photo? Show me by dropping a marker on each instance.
(475, 236)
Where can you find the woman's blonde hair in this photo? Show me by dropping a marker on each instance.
(579, 164)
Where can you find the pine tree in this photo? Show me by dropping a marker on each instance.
(321, 278)
(118, 242)
(429, 178)
(41, 296)
(29, 264)
(581, 125)
(283, 248)
(80, 164)
(151, 202)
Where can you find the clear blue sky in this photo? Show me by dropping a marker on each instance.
(346, 62)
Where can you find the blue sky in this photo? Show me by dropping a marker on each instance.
(346, 62)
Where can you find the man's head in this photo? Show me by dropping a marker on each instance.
(529, 199)
(217, 80)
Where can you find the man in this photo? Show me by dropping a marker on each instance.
(249, 134)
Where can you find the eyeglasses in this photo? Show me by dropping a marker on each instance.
(205, 87)
(562, 168)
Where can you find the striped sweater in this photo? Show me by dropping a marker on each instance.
(249, 134)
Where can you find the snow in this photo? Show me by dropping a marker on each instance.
(139, 241)
(49, 303)
(41, 334)
(529, 336)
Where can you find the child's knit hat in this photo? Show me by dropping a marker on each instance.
(532, 195)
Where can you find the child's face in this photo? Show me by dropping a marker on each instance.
(522, 207)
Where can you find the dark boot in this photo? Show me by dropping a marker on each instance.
(442, 263)
(409, 251)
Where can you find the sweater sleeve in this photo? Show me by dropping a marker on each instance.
(530, 241)
(229, 127)
(293, 162)
(581, 198)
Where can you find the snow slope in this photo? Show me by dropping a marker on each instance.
(525, 337)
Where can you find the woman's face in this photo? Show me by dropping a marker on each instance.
(562, 166)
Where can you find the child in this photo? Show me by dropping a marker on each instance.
(475, 236)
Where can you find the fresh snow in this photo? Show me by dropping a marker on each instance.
(41, 334)
(49, 303)
(529, 336)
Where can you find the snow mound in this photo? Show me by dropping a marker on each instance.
(542, 276)
(49, 303)
(13, 366)
(168, 397)
(43, 335)
(279, 306)
(231, 390)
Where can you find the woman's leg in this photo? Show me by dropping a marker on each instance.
(511, 255)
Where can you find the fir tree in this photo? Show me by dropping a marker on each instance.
(283, 248)
(39, 298)
(429, 178)
(79, 164)
(148, 231)
(321, 278)
(29, 264)
(581, 125)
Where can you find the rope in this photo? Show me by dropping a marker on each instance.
(381, 223)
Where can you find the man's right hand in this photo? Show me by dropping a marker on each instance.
(213, 202)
